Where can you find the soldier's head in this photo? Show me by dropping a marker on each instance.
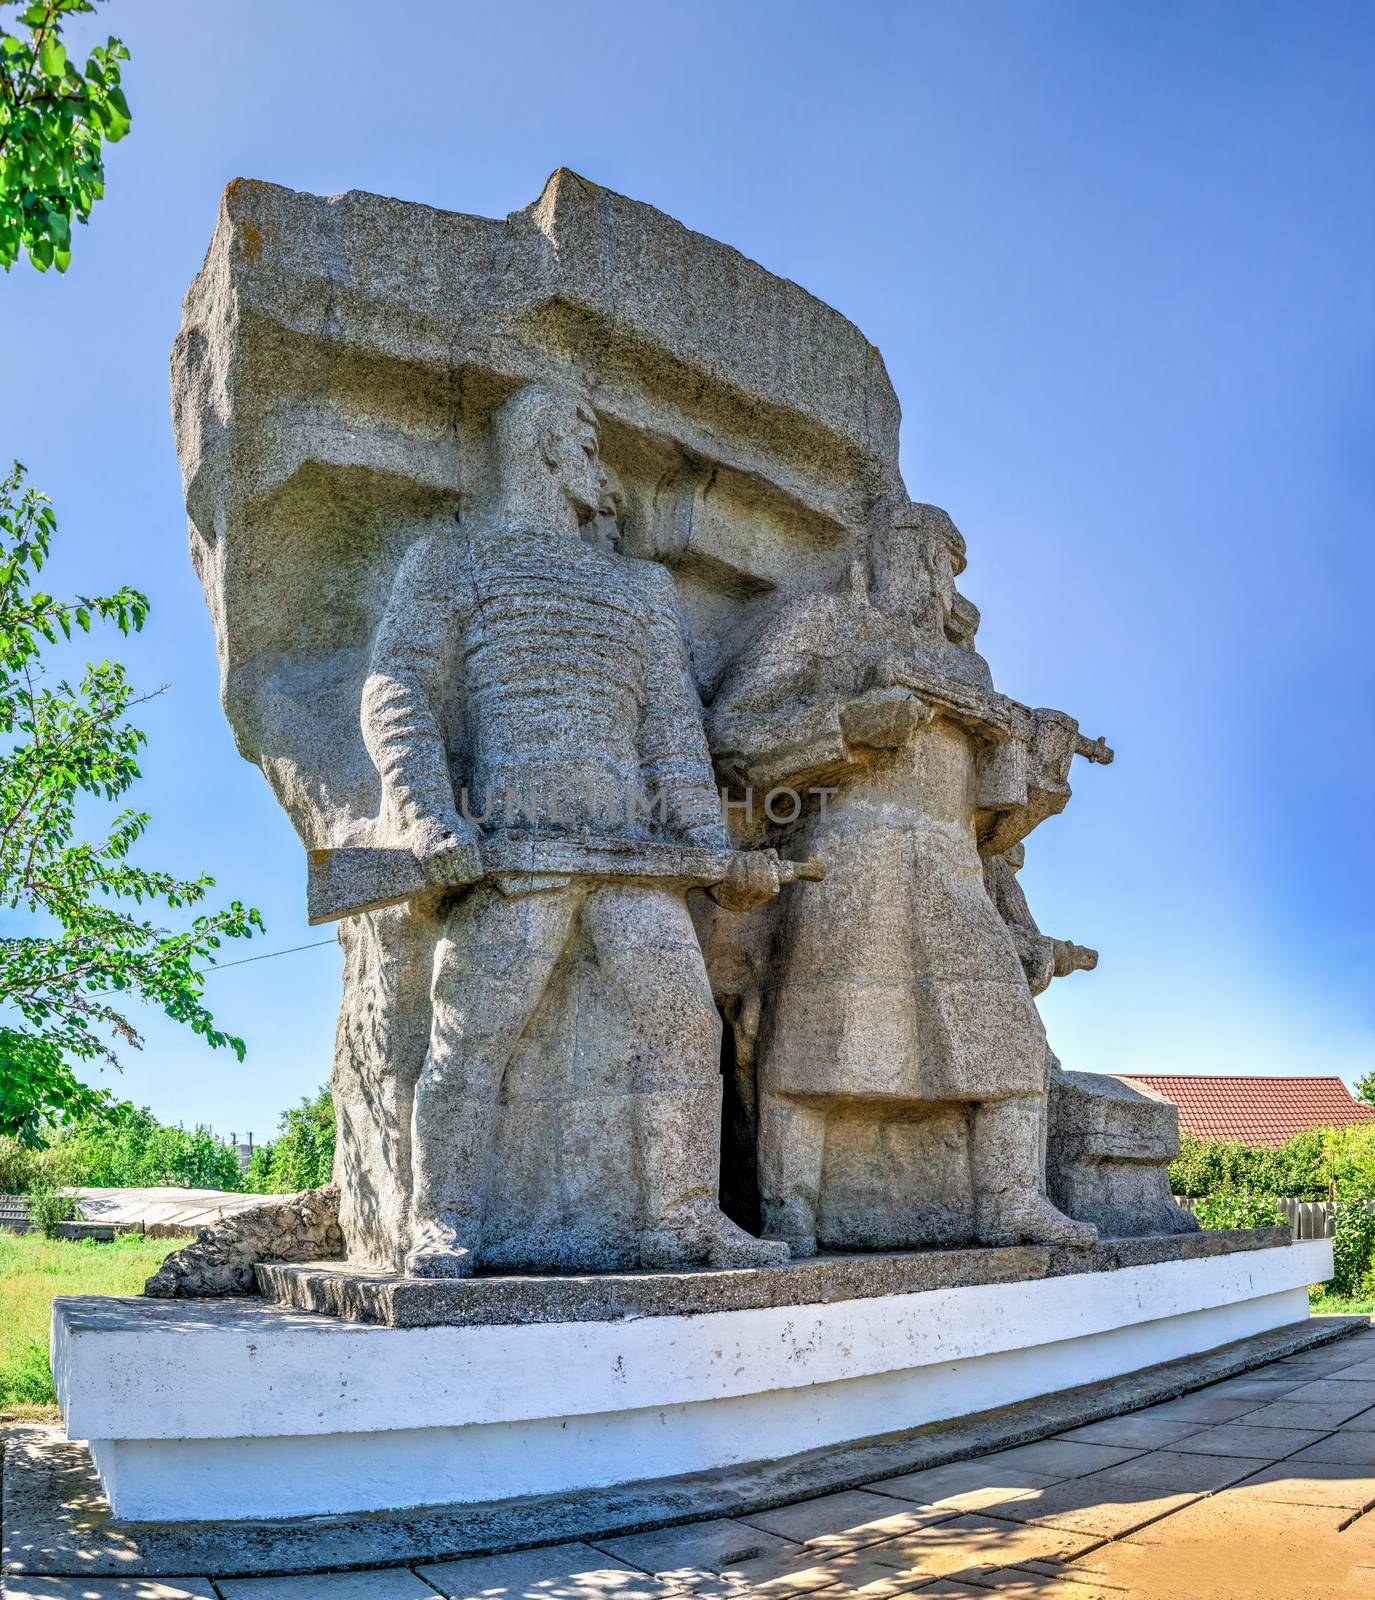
(603, 531)
(913, 563)
(545, 442)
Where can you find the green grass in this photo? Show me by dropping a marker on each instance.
(1322, 1303)
(32, 1271)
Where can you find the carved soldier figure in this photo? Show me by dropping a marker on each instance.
(517, 659)
(896, 982)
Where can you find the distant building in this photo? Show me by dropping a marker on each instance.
(1255, 1111)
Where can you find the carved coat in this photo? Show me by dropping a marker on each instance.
(896, 978)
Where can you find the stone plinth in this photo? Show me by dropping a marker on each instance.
(313, 1415)
(341, 1290)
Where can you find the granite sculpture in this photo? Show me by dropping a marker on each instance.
(486, 512)
(578, 722)
(897, 986)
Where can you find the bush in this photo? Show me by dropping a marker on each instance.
(1353, 1251)
(1349, 1161)
(48, 1206)
(1239, 1209)
(123, 1147)
(1305, 1168)
(302, 1156)
(18, 1164)
(25, 1167)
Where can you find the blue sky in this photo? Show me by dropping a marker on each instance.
(1121, 262)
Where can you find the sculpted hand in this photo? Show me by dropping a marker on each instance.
(883, 719)
(447, 849)
(754, 878)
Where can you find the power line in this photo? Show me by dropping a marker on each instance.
(268, 955)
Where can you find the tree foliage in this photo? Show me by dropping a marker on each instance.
(121, 1146)
(1353, 1251)
(83, 949)
(55, 119)
(302, 1155)
(1365, 1089)
(1239, 1208)
(1299, 1170)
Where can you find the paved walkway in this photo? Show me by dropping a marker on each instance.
(1257, 1487)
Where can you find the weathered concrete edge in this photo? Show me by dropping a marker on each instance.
(334, 1289)
(57, 1524)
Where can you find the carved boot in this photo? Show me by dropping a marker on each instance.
(438, 1251)
(1024, 1216)
(705, 1237)
(794, 1223)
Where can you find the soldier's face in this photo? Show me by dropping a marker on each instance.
(573, 458)
(942, 570)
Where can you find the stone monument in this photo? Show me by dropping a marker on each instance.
(567, 593)
(477, 557)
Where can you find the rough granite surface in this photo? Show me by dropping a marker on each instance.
(290, 1227)
(374, 1296)
(493, 516)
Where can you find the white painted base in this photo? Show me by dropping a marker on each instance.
(211, 1410)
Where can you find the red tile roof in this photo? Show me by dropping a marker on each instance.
(1257, 1111)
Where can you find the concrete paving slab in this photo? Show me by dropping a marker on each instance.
(1311, 1483)
(1083, 1505)
(1346, 1447)
(1327, 1358)
(781, 1574)
(106, 1589)
(1226, 1547)
(1205, 1407)
(555, 1572)
(1263, 1388)
(966, 1546)
(1135, 1431)
(1060, 1458)
(1172, 1469)
(1358, 1372)
(393, 1583)
(964, 1485)
(952, 1589)
(1317, 1415)
(699, 1557)
(1030, 1583)
(845, 1521)
(1341, 1390)
(1238, 1439)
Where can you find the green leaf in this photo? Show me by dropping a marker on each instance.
(52, 56)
